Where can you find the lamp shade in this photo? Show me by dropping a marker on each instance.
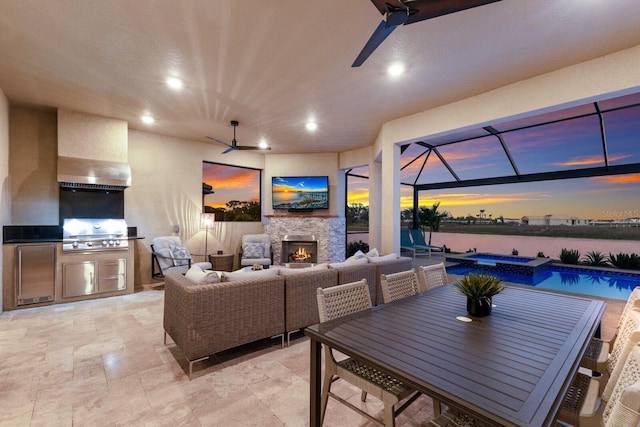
(207, 220)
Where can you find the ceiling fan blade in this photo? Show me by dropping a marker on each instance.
(219, 142)
(243, 147)
(419, 10)
(381, 33)
(228, 150)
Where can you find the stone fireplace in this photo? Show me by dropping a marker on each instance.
(329, 233)
(299, 249)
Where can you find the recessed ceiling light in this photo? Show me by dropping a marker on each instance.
(263, 144)
(395, 69)
(174, 83)
(147, 119)
(311, 126)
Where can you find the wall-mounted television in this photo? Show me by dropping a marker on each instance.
(300, 193)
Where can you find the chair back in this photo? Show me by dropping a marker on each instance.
(630, 326)
(342, 300)
(405, 238)
(629, 338)
(399, 285)
(432, 276)
(418, 237)
(632, 302)
(623, 407)
(256, 249)
(163, 246)
(258, 238)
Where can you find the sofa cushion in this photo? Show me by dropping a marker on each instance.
(248, 275)
(253, 250)
(201, 276)
(349, 263)
(165, 259)
(358, 255)
(293, 271)
(373, 253)
(179, 251)
(388, 257)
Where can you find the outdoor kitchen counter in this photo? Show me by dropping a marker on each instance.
(112, 271)
(44, 233)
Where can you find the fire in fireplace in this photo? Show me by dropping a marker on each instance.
(300, 255)
(302, 249)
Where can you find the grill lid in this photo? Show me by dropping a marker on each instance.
(93, 229)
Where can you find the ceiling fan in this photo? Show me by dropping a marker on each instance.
(404, 12)
(234, 143)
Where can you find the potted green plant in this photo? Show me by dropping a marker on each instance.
(479, 288)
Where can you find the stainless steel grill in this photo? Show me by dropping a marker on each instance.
(90, 234)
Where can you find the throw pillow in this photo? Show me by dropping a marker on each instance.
(358, 255)
(202, 277)
(181, 255)
(388, 257)
(248, 275)
(349, 263)
(165, 258)
(372, 253)
(253, 250)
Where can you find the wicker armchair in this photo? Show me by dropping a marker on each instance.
(629, 332)
(621, 408)
(343, 300)
(432, 276)
(597, 355)
(399, 285)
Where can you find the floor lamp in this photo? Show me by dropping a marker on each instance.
(206, 222)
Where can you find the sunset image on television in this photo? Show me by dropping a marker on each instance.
(296, 192)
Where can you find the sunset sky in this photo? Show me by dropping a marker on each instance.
(558, 145)
(230, 183)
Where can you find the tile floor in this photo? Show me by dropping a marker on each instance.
(103, 363)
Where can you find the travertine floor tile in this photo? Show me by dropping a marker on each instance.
(104, 363)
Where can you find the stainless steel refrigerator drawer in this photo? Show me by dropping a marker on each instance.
(35, 273)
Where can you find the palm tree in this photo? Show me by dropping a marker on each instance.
(430, 217)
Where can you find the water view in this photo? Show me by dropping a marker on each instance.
(604, 284)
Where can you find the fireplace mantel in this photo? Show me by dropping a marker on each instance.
(330, 231)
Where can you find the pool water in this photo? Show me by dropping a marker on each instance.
(602, 284)
(491, 259)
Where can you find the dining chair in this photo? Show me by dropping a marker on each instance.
(597, 353)
(339, 301)
(432, 276)
(585, 391)
(399, 285)
(622, 409)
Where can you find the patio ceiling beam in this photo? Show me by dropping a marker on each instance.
(444, 162)
(603, 136)
(536, 177)
(497, 134)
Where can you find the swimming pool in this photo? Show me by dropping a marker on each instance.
(598, 283)
(492, 259)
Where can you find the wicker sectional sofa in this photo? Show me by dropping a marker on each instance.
(205, 319)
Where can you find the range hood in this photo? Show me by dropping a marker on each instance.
(93, 174)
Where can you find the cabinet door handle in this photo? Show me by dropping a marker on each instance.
(19, 273)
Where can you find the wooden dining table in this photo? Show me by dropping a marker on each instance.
(511, 368)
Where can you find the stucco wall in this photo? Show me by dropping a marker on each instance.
(33, 154)
(5, 194)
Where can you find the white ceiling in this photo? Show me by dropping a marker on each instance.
(273, 64)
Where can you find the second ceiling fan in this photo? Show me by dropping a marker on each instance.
(234, 143)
